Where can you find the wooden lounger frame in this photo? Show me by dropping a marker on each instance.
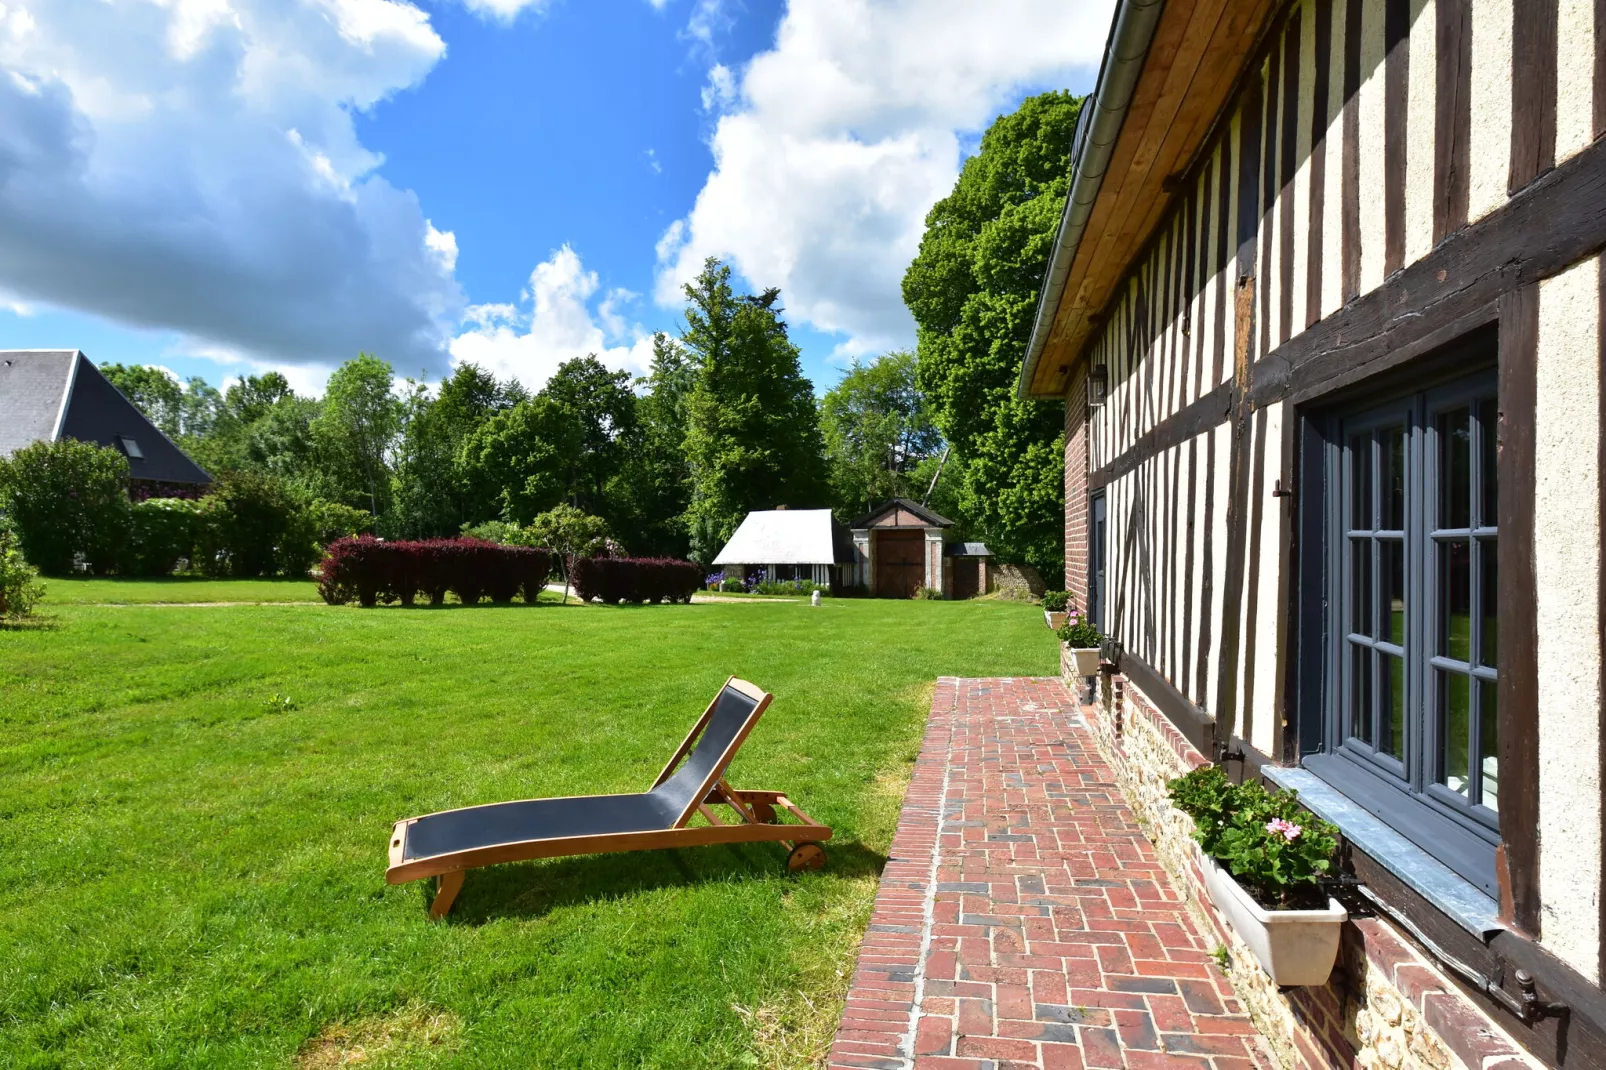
(755, 810)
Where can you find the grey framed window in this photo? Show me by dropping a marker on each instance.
(1410, 726)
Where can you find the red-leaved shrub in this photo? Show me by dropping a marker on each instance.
(636, 579)
(372, 570)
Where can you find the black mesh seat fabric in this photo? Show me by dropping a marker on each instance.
(588, 815)
(533, 819)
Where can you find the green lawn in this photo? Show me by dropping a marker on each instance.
(194, 877)
(175, 589)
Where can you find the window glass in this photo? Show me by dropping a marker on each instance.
(1360, 473)
(1487, 712)
(1391, 443)
(1392, 575)
(1455, 599)
(1414, 582)
(1455, 468)
(1361, 619)
(1455, 728)
(1488, 589)
(1488, 426)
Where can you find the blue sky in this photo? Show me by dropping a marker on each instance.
(224, 186)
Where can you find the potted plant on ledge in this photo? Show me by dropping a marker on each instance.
(1054, 605)
(1264, 858)
(1084, 642)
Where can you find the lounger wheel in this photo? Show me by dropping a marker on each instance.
(806, 855)
(764, 813)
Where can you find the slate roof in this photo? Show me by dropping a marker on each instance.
(786, 537)
(914, 507)
(33, 387)
(967, 549)
(50, 394)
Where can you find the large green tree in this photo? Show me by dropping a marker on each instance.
(752, 428)
(973, 292)
(877, 433)
(522, 459)
(653, 490)
(432, 495)
(603, 408)
(355, 430)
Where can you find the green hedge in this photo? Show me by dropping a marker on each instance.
(67, 498)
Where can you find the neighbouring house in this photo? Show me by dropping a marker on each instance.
(1325, 312)
(51, 394)
(898, 549)
(789, 544)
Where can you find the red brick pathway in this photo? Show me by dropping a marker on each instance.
(1033, 927)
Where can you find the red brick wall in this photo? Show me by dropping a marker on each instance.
(1076, 490)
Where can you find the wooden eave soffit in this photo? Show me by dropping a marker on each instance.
(1200, 52)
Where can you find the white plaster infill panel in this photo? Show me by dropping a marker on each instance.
(1567, 564)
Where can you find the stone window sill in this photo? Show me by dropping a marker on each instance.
(1450, 893)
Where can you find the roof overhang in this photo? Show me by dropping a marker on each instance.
(1170, 70)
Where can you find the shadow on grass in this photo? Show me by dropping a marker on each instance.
(530, 890)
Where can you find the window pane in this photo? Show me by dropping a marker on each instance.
(1489, 550)
(1489, 746)
(1360, 454)
(1455, 599)
(1391, 693)
(1361, 619)
(1489, 431)
(1455, 468)
(1361, 701)
(1455, 729)
(1391, 441)
(1391, 574)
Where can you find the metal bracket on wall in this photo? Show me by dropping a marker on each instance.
(1526, 1006)
(1280, 491)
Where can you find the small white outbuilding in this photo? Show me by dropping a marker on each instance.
(789, 544)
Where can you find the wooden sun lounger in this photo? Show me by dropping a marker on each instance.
(445, 844)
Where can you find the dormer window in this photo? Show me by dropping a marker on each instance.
(130, 447)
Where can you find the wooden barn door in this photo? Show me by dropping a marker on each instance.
(900, 567)
(967, 579)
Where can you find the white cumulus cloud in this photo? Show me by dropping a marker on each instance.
(553, 322)
(834, 144)
(504, 10)
(192, 165)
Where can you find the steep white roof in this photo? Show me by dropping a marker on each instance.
(781, 537)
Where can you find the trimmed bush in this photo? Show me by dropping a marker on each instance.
(251, 525)
(161, 531)
(636, 579)
(67, 498)
(372, 570)
(20, 589)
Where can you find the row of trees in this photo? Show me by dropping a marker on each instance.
(725, 421)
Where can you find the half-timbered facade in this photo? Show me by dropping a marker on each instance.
(1325, 309)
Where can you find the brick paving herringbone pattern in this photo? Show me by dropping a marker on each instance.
(1022, 919)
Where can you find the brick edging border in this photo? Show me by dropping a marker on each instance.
(879, 1016)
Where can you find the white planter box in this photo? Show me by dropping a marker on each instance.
(1085, 658)
(1294, 947)
(1056, 621)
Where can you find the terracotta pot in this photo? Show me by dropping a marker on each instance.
(1294, 947)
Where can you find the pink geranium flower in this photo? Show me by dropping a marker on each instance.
(1289, 830)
